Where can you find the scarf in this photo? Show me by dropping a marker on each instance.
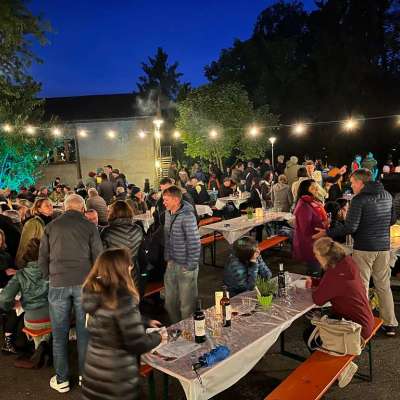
(317, 207)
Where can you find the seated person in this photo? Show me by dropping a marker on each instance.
(342, 286)
(226, 189)
(198, 191)
(243, 267)
(6, 261)
(34, 291)
(137, 201)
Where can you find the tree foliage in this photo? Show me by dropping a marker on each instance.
(343, 58)
(227, 110)
(20, 154)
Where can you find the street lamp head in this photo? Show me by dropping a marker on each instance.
(254, 131)
(158, 122)
(213, 134)
(111, 134)
(56, 131)
(30, 129)
(272, 140)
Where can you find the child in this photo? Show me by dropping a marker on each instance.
(243, 267)
(117, 334)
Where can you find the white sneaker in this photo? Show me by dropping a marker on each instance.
(80, 380)
(347, 375)
(62, 387)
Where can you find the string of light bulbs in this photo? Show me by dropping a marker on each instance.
(298, 128)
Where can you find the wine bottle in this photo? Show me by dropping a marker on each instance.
(199, 324)
(281, 281)
(226, 308)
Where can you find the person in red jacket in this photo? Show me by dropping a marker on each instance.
(310, 215)
(342, 286)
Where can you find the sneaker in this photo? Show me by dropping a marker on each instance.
(62, 387)
(80, 380)
(8, 346)
(347, 375)
(389, 330)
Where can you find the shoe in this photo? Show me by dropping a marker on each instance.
(8, 346)
(389, 330)
(62, 387)
(347, 375)
(80, 380)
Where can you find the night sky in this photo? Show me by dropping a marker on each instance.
(97, 46)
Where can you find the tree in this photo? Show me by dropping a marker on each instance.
(20, 154)
(342, 58)
(227, 110)
(161, 80)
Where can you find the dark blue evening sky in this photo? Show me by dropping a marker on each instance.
(98, 45)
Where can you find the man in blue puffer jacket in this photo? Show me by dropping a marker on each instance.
(182, 253)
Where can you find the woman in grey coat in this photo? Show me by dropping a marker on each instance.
(282, 195)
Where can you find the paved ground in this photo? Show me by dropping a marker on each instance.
(18, 384)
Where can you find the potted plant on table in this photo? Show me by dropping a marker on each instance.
(266, 289)
(250, 212)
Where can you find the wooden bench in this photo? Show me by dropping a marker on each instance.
(318, 373)
(272, 242)
(147, 372)
(209, 241)
(208, 221)
(153, 288)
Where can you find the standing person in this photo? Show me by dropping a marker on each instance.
(237, 173)
(310, 215)
(108, 169)
(282, 195)
(69, 248)
(317, 177)
(370, 163)
(173, 172)
(368, 220)
(137, 201)
(106, 189)
(291, 170)
(34, 228)
(182, 253)
(117, 332)
(356, 164)
(280, 165)
(97, 203)
(249, 174)
(266, 188)
(123, 232)
(265, 166)
(91, 180)
(301, 176)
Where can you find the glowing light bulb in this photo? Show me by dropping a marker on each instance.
(272, 140)
(7, 128)
(142, 134)
(56, 131)
(82, 133)
(111, 134)
(254, 131)
(213, 134)
(350, 124)
(299, 128)
(30, 129)
(177, 134)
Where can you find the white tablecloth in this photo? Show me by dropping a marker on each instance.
(203, 210)
(221, 202)
(249, 339)
(146, 220)
(235, 228)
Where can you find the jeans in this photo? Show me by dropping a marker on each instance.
(376, 264)
(180, 291)
(61, 301)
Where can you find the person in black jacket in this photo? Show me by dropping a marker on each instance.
(106, 189)
(117, 332)
(198, 192)
(123, 232)
(368, 220)
(249, 174)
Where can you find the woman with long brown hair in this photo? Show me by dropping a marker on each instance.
(117, 333)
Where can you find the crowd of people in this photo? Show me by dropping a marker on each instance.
(78, 257)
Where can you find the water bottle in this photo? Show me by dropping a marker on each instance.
(212, 357)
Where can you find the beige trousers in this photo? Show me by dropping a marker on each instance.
(376, 264)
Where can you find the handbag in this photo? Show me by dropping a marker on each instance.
(338, 337)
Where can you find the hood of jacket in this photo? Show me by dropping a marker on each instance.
(279, 187)
(293, 161)
(121, 221)
(31, 272)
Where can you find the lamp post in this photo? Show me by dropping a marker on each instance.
(272, 140)
(157, 144)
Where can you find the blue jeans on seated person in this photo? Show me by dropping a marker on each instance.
(61, 301)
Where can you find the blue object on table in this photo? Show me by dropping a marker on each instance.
(212, 357)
